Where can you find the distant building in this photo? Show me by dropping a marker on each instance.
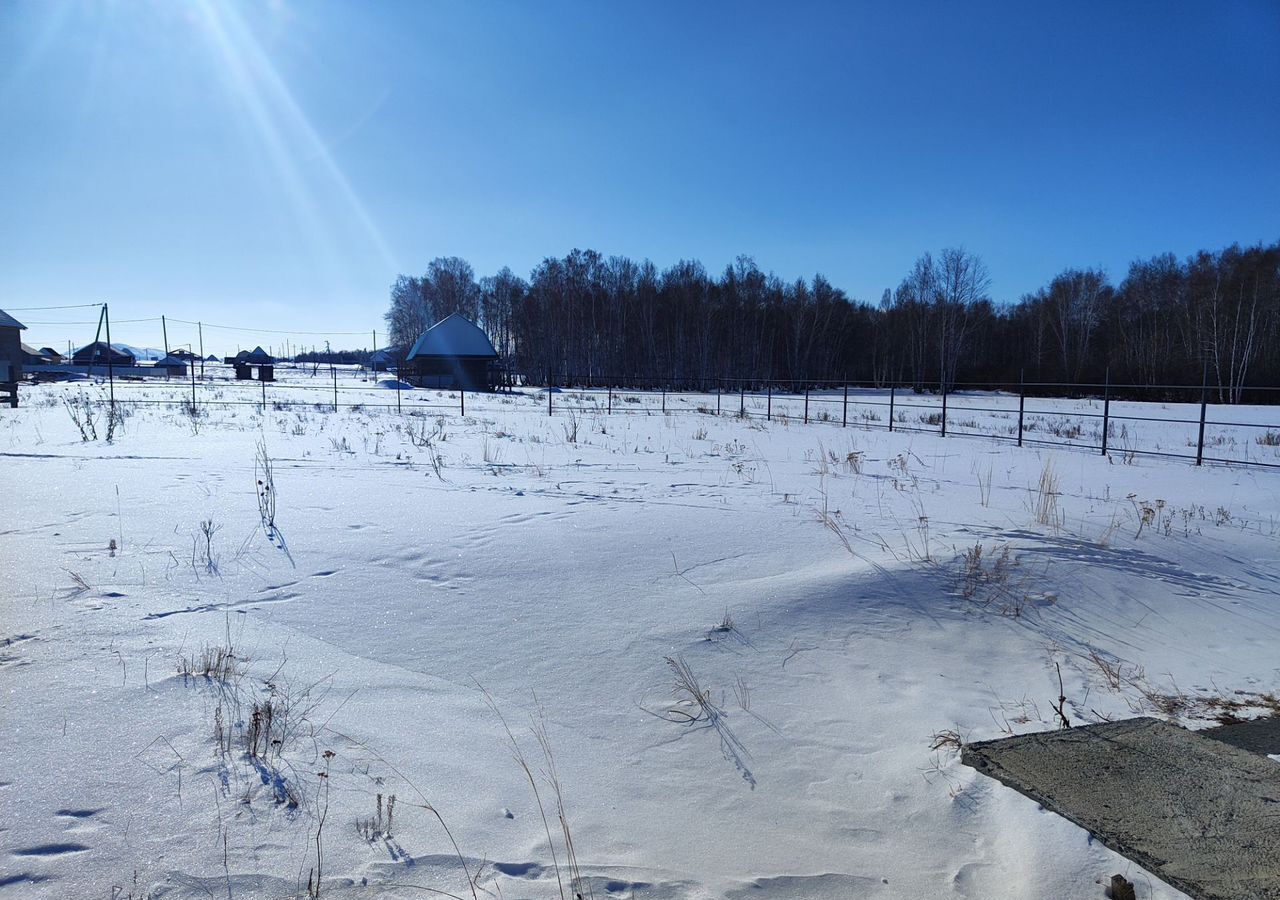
(173, 365)
(259, 357)
(52, 355)
(384, 359)
(453, 353)
(99, 353)
(33, 357)
(10, 350)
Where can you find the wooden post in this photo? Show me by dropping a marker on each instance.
(332, 371)
(264, 390)
(548, 392)
(193, 389)
(806, 404)
(1022, 401)
(844, 413)
(200, 326)
(892, 391)
(742, 399)
(1106, 409)
(768, 409)
(943, 385)
(718, 387)
(609, 407)
(462, 400)
(664, 398)
(1200, 442)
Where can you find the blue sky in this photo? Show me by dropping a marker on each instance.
(276, 164)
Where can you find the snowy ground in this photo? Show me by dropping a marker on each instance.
(422, 561)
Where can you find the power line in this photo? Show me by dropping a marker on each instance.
(95, 322)
(269, 330)
(30, 308)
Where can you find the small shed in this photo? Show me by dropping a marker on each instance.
(245, 361)
(453, 353)
(99, 353)
(50, 354)
(384, 359)
(173, 366)
(10, 356)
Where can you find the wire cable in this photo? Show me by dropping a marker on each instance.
(30, 308)
(269, 330)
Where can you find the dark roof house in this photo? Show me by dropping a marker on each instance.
(10, 348)
(453, 353)
(172, 365)
(381, 360)
(33, 357)
(99, 353)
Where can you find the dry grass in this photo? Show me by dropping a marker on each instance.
(946, 740)
(213, 663)
(1045, 496)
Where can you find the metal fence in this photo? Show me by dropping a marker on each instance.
(1091, 417)
(935, 411)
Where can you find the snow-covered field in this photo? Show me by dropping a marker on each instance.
(849, 602)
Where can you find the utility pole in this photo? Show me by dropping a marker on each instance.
(111, 374)
(200, 327)
(164, 329)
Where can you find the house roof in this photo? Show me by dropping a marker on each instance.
(96, 348)
(171, 360)
(8, 321)
(259, 356)
(454, 335)
(386, 354)
(50, 352)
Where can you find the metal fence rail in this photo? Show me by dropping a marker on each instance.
(1028, 416)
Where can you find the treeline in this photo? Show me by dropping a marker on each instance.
(587, 317)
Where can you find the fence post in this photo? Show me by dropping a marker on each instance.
(893, 389)
(768, 409)
(193, 388)
(1204, 405)
(718, 388)
(549, 392)
(398, 390)
(944, 408)
(1106, 410)
(844, 415)
(1022, 400)
(664, 398)
(462, 400)
(335, 386)
(742, 399)
(264, 395)
(806, 404)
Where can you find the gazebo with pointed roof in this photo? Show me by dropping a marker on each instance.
(453, 353)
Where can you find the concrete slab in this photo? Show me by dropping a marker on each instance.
(1256, 736)
(1200, 814)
